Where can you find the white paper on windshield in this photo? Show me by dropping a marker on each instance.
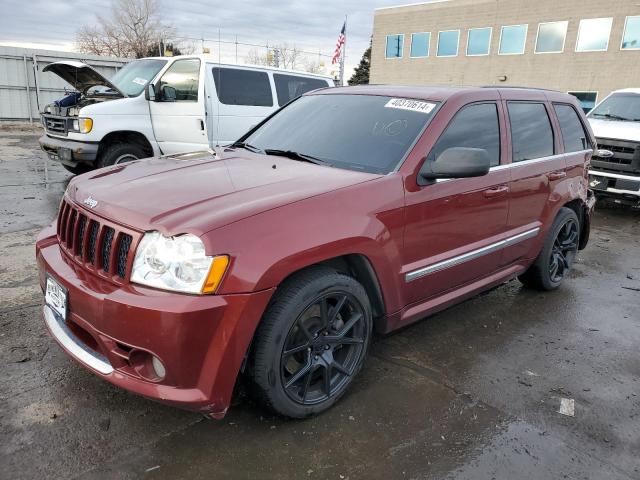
(139, 81)
(413, 105)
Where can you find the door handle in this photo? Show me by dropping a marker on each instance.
(557, 175)
(496, 192)
(201, 122)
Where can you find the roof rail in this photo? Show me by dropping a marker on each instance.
(521, 87)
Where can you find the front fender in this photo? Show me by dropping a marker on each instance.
(364, 219)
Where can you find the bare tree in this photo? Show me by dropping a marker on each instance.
(314, 66)
(258, 57)
(289, 56)
(133, 29)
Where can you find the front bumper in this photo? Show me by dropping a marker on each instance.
(201, 340)
(69, 152)
(615, 184)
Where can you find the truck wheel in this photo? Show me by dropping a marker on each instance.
(558, 252)
(77, 170)
(311, 343)
(120, 153)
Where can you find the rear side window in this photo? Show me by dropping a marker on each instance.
(531, 133)
(475, 126)
(289, 87)
(573, 134)
(242, 87)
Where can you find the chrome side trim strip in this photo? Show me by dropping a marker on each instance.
(452, 262)
(74, 346)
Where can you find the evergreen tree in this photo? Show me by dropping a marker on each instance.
(361, 74)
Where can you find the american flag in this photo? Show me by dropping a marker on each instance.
(339, 44)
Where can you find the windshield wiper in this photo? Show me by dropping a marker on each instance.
(612, 116)
(296, 156)
(246, 146)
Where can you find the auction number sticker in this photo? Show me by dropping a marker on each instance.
(139, 81)
(413, 105)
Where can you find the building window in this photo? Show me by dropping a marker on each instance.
(513, 39)
(448, 43)
(587, 100)
(420, 44)
(479, 41)
(551, 37)
(395, 44)
(593, 35)
(631, 37)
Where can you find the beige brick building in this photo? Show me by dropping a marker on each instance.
(590, 47)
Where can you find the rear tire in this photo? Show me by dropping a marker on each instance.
(311, 343)
(117, 153)
(557, 255)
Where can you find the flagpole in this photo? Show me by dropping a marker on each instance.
(344, 53)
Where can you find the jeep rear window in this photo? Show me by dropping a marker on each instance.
(357, 132)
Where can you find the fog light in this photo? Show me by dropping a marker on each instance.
(158, 367)
(147, 365)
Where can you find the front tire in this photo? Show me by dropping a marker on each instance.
(77, 170)
(311, 343)
(557, 255)
(120, 153)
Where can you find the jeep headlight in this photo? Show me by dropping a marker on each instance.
(177, 263)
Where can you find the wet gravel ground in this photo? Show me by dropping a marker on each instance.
(473, 392)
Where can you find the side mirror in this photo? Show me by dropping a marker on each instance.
(150, 92)
(457, 162)
(168, 93)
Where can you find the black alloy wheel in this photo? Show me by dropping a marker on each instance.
(322, 348)
(557, 255)
(564, 250)
(311, 342)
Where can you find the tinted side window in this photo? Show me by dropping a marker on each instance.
(475, 126)
(180, 81)
(573, 134)
(531, 133)
(242, 87)
(289, 87)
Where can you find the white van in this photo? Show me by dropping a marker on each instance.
(161, 105)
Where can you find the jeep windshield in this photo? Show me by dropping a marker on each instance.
(134, 76)
(619, 106)
(359, 132)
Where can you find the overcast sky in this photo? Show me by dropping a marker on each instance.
(311, 25)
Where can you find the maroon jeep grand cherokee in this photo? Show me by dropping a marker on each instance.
(347, 211)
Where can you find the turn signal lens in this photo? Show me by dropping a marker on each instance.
(85, 124)
(216, 272)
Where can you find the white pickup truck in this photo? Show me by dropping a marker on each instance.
(615, 169)
(161, 105)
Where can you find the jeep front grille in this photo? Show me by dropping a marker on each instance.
(98, 245)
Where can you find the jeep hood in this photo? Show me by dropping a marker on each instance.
(616, 130)
(198, 192)
(80, 75)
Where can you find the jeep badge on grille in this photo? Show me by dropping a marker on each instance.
(90, 202)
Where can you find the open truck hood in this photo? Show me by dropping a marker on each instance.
(80, 75)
